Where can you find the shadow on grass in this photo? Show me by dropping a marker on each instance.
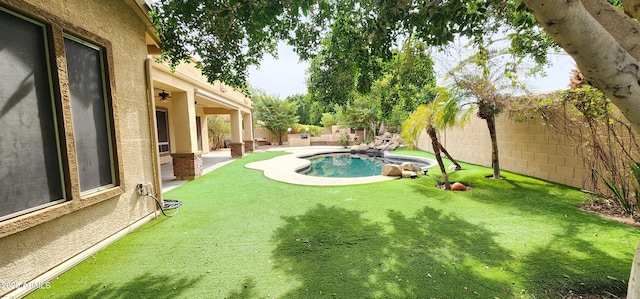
(572, 260)
(569, 264)
(143, 286)
(248, 290)
(336, 252)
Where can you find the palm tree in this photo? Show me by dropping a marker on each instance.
(479, 78)
(438, 115)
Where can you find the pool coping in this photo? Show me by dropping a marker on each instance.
(283, 168)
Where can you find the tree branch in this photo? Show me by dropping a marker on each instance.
(599, 55)
(632, 8)
(624, 29)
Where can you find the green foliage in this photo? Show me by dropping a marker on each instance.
(304, 109)
(590, 103)
(625, 193)
(352, 37)
(301, 128)
(344, 140)
(274, 114)
(442, 113)
(362, 113)
(328, 120)
(218, 129)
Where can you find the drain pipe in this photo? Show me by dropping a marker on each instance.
(153, 132)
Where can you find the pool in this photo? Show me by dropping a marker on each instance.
(350, 165)
(344, 165)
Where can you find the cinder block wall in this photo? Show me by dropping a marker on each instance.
(526, 147)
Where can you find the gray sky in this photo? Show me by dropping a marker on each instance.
(285, 76)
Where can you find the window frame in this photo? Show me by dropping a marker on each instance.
(74, 200)
(107, 107)
(168, 142)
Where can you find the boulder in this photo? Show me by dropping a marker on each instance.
(458, 187)
(409, 174)
(409, 167)
(363, 147)
(454, 167)
(354, 148)
(391, 170)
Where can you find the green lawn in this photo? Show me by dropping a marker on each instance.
(241, 235)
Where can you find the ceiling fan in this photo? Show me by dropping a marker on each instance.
(164, 96)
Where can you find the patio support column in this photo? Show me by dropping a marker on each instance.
(247, 133)
(187, 160)
(237, 146)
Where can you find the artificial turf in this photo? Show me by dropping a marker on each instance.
(242, 235)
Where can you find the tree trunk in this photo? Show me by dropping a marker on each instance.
(446, 153)
(495, 162)
(633, 290)
(607, 59)
(607, 53)
(436, 151)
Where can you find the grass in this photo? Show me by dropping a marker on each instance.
(241, 235)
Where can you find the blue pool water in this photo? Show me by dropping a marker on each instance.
(345, 165)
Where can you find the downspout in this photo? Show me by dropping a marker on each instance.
(153, 128)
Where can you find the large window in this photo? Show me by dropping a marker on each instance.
(90, 111)
(38, 168)
(30, 165)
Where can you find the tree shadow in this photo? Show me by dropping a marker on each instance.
(143, 286)
(247, 290)
(336, 252)
(569, 264)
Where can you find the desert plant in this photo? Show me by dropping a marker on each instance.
(625, 194)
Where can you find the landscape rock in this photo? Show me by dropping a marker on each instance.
(410, 167)
(391, 170)
(409, 174)
(454, 167)
(458, 187)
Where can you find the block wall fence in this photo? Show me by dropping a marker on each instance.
(526, 147)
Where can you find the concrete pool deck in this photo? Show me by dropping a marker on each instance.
(283, 168)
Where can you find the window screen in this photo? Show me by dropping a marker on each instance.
(90, 114)
(30, 172)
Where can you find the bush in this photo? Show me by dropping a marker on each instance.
(313, 130)
(344, 140)
(328, 120)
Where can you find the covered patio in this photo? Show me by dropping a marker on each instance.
(183, 99)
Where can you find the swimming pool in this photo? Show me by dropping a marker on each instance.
(351, 165)
(344, 165)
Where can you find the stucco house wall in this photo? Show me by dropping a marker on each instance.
(33, 243)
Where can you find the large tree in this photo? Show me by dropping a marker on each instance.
(229, 36)
(274, 114)
(486, 81)
(603, 41)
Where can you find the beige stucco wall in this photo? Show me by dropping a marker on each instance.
(526, 147)
(30, 247)
(192, 95)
